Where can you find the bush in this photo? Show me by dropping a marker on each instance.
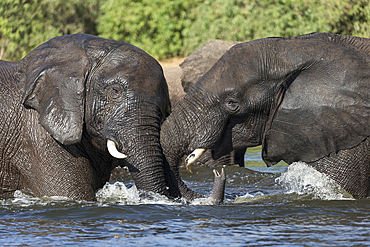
(244, 20)
(25, 24)
(355, 19)
(168, 28)
(153, 25)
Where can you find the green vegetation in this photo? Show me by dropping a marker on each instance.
(168, 28)
(252, 158)
(25, 24)
(153, 25)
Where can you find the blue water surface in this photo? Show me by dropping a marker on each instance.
(263, 208)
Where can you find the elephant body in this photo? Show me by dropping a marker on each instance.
(304, 99)
(33, 160)
(350, 168)
(19, 134)
(61, 103)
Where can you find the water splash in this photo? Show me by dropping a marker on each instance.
(118, 193)
(24, 200)
(250, 197)
(111, 194)
(303, 179)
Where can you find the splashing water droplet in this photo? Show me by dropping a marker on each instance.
(120, 194)
(303, 179)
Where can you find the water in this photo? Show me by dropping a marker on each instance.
(293, 206)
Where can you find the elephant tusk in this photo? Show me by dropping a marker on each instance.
(112, 149)
(193, 157)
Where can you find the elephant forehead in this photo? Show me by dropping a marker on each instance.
(138, 71)
(143, 79)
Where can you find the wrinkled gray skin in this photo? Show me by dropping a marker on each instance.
(61, 103)
(304, 99)
(195, 65)
(181, 78)
(218, 191)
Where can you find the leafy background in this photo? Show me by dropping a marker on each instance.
(170, 28)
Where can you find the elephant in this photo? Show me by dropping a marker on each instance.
(74, 108)
(181, 78)
(304, 98)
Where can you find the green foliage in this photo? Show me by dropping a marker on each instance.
(245, 20)
(154, 25)
(167, 28)
(355, 19)
(26, 24)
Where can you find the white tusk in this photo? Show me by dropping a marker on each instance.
(194, 156)
(112, 149)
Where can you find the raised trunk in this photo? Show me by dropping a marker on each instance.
(218, 191)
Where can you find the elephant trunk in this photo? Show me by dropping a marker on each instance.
(176, 136)
(146, 166)
(140, 147)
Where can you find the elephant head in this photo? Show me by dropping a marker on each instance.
(108, 91)
(181, 78)
(302, 98)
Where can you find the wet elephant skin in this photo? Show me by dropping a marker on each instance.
(303, 99)
(61, 103)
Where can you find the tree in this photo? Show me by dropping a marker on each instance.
(26, 24)
(153, 25)
(244, 20)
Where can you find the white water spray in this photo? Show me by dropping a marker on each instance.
(303, 179)
(118, 193)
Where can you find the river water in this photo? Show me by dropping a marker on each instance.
(285, 206)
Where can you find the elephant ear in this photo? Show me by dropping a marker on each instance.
(52, 78)
(325, 109)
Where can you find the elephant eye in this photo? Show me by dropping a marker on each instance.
(114, 91)
(232, 105)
